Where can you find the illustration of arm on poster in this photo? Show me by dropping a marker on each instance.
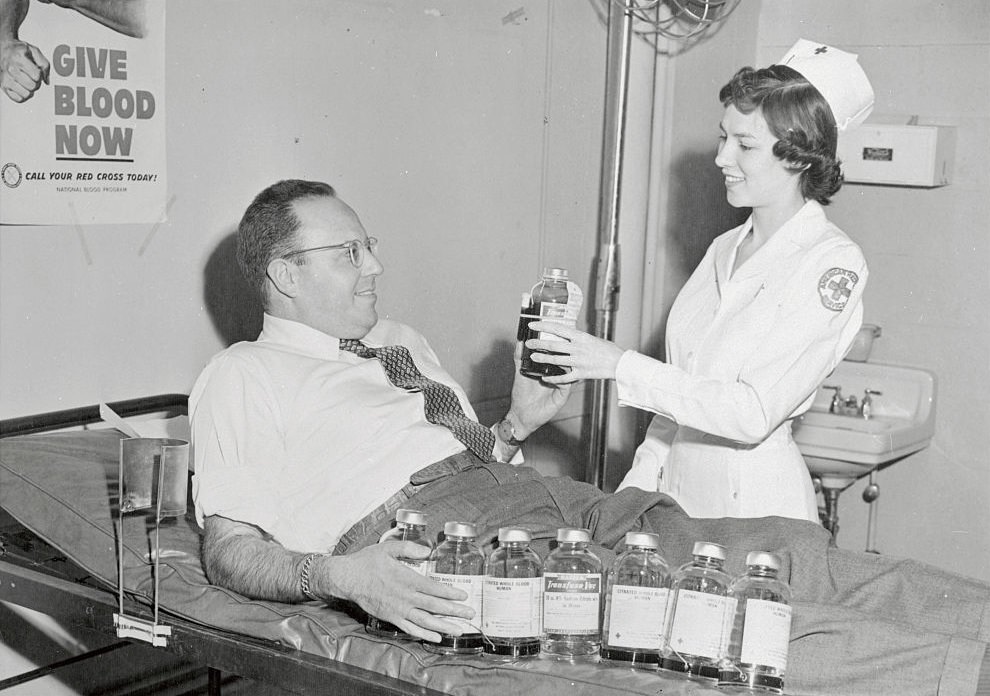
(124, 16)
(24, 68)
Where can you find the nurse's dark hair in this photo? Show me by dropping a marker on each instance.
(269, 225)
(800, 119)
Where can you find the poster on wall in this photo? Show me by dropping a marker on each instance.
(82, 112)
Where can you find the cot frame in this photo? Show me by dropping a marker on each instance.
(221, 652)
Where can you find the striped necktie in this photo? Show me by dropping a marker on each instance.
(439, 401)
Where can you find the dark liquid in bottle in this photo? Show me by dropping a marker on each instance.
(633, 657)
(384, 629)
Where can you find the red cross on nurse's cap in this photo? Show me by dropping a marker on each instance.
(837, 75)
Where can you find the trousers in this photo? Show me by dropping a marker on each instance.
(862, 623)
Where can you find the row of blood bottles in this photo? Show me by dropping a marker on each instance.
(696, 621)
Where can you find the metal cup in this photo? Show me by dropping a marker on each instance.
(150, 466)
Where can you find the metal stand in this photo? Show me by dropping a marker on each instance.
(607, 274)
(136, 474)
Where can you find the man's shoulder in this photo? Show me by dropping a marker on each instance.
(240, 361)
(241, 352)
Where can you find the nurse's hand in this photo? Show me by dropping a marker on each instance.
(585, 356)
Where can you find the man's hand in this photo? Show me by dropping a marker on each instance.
(583, 355)
(242, 557)
(23, 69)
(393, 592)
(534, 401)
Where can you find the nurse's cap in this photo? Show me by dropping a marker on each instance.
(839, 78)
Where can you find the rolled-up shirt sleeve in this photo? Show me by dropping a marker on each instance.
(238, 451)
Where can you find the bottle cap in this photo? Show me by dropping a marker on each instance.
(403, 516)
(573, 535)
(763, 558)
(507, 534)
(706, 548)
(461, 529)
(555, 273)
(650, 541)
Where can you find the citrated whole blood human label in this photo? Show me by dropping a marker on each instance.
(512, 607)
(636, 616)
(571, 602)
(698, 623)
(473, 585)
(766, 633)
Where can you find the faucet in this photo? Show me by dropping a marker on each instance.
(866, 407)
(836, 405)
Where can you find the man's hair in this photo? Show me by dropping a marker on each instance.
(800, 119)
(268, 228)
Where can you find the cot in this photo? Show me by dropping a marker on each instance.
(60, 486)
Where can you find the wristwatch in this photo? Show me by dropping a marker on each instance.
(507, 433)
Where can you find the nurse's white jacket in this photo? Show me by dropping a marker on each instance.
(746, 352)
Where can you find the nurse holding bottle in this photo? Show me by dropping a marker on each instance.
(766, 316)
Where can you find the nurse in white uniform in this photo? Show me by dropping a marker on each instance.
(766, 316)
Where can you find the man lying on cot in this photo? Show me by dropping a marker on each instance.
(305, 446)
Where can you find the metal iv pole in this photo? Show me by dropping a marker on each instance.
(607, 272)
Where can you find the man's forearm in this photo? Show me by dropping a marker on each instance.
(252, 565)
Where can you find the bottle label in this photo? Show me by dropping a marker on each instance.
(474, 586)
(571, 602)
(512, 607)
(561, 312)
(698, 623)
(766, 633)
(636, 616)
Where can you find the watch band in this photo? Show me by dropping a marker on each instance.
(507, 433)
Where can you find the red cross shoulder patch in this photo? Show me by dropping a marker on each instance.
(835, 287)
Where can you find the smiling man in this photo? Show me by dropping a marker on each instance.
(304, 442)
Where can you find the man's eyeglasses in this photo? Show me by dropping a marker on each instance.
(355, 250)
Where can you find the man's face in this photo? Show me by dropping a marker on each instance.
(334, 296)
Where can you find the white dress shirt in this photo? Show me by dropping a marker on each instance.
(301, 439)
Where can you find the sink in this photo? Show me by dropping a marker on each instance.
(839, 449)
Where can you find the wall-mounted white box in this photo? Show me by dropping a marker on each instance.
(898, 155)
